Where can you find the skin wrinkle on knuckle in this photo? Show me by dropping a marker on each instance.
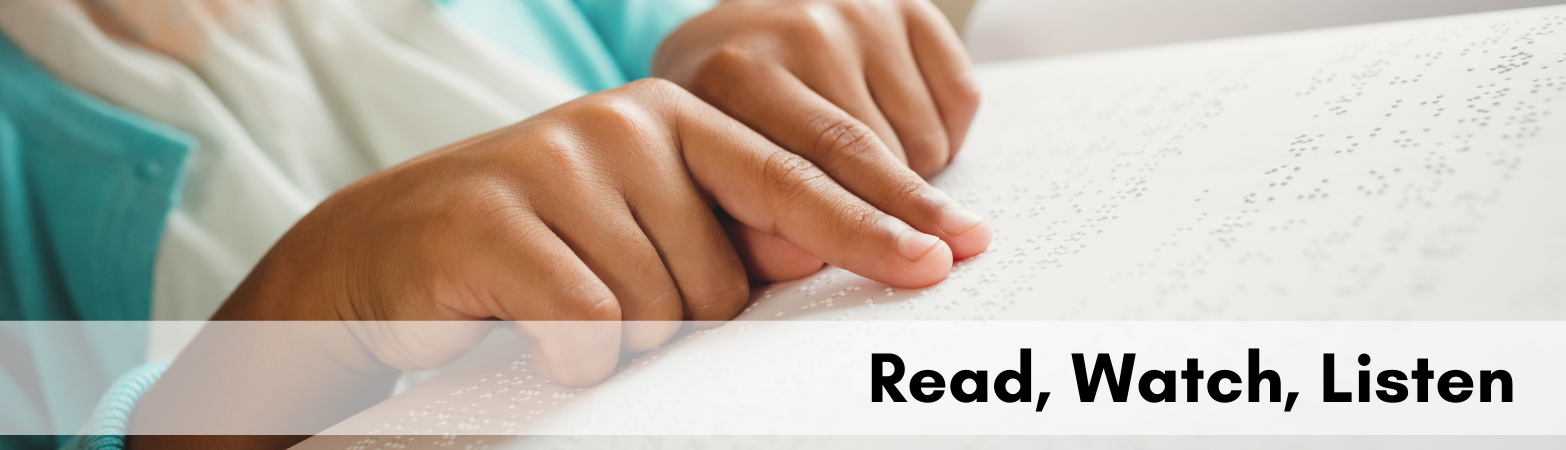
(862, 225)
(843, 142)
(790, 177)
(910, 193)
(863, 220)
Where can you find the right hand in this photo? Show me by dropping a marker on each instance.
(877, 92)
(602, 209)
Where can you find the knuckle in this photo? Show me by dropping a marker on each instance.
(662, 95)
(656, 86)
(790, 176)
(810, 24)
(556, 165)
(854, 11)
(617, 112)
(863, 218)
(615, 125)
(861, 222)
(555, 149)
(907, 190)
(843, 141)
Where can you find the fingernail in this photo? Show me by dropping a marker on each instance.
(913, 244)
(955, 221)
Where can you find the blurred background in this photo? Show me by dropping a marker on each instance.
(1003, 29)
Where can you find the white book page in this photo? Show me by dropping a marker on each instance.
(1403, 171)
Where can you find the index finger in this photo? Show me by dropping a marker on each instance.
(810, 125)
(787, 196)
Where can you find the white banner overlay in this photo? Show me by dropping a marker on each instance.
(817, 378)
(840, 378)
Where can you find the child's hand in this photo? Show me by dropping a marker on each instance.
(599, 210)
(825, 79)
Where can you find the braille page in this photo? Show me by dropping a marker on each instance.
(1403, 171)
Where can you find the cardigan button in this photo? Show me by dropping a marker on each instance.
(149, 170)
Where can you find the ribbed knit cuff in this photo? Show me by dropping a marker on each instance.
(105, 429)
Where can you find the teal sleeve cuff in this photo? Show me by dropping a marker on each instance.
(632, 29)
(552, 35)
(106, 427)
(595, 44)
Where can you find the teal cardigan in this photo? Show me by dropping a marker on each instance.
(84, 190)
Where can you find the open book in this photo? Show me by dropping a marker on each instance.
(1402, 171)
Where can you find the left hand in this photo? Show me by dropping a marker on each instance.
(825, 79)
